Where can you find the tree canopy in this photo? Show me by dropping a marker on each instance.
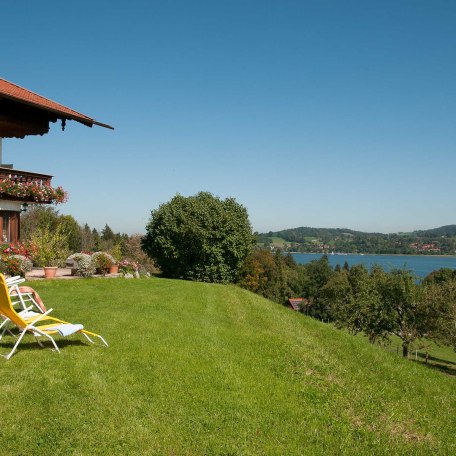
(199, 238)
(376, 303)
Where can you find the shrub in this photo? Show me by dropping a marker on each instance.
(15, 258)
(84, 264)
(128, 267)
(51, 246)
(26, 249)
(116, 252)
(199, 238)
(17, 265)
(102, 260)
(133, 252)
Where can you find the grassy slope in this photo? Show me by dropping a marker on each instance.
(207, 369)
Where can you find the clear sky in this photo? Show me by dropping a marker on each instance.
(309, 113)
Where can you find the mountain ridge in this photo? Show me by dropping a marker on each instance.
(441, 240)
(445, 230)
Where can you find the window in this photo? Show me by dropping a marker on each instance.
(9, 226)
(5, 228)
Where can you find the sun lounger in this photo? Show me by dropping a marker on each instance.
(33, 325)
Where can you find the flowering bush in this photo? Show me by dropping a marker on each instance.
(33, 190)
(26, 249)
(17, 265)
(132, 250)
(15, 257)
(84, 264)
(128, 267)
(102, 260)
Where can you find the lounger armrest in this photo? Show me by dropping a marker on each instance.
(15, 282)
(32, 324)
(12, 279)
(18, 294)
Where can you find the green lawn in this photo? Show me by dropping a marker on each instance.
(200, 369)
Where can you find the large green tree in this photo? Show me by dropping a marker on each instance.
(273, 275)
(87, 239)
(73, 232)
(336, 298)
(440, 299)
(36, 217)
(47, 217)
(319, 272)
(199, 237)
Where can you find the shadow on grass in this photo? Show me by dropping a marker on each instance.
(441, 365)
(7, 345)
(433, 358)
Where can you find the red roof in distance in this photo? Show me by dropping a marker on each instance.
(295, 303)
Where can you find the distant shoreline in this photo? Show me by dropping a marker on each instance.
(373, 254)
(420, 265)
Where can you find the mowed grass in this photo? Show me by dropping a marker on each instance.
(201, 369)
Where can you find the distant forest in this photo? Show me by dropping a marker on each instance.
(437, 241)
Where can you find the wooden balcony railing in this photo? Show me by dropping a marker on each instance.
(25, 186)
(24, 176)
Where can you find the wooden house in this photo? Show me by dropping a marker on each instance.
(24, 113)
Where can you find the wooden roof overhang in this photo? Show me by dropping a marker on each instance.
(24, 113)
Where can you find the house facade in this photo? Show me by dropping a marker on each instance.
(24, 113)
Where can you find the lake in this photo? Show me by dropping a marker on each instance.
(421, 265)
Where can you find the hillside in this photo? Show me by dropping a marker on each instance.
(437, 241)
(447, 230)
(196, 368)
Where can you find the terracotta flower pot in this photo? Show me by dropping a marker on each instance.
(50, 272)
(114, 269)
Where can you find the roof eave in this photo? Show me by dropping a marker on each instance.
(88, 121)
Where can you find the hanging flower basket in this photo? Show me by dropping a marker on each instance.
(33, 191)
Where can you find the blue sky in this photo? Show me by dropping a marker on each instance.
(309, 113)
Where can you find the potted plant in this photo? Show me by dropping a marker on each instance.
(102, 261)
(116, 253)
(114, 269)
(51, 249)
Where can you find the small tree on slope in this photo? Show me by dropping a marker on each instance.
(199, 238)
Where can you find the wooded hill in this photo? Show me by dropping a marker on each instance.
(436, 241)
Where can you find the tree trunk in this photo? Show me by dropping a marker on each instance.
(405, 349)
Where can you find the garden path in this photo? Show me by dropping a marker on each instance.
(62, 273)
